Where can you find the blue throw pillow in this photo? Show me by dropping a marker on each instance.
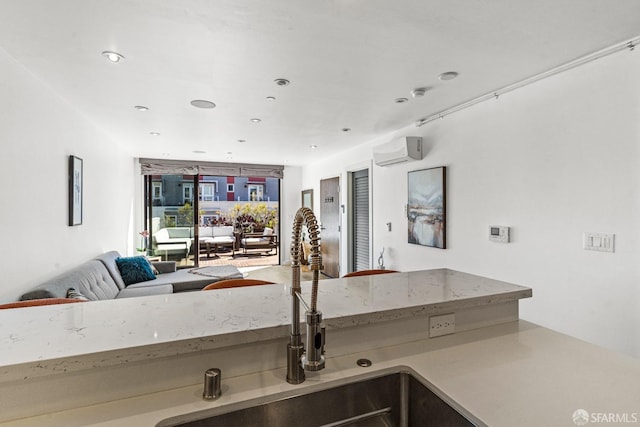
(134, 269)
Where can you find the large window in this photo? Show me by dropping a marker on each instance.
(182, 212)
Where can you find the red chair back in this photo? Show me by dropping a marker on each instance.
(37, 302)
(368, 272)
(234, 283)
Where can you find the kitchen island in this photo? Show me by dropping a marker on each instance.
(146, 357)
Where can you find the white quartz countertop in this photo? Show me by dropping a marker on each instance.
(155, 326)
(514, 374)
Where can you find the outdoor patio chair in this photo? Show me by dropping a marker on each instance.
(264, 241)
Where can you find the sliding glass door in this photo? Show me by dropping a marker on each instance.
(170, 217)
(205, 219)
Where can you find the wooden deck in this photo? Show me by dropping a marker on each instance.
(227, 258)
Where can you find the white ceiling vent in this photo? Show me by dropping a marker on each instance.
(399, 150)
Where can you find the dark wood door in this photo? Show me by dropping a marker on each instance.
(330, 225)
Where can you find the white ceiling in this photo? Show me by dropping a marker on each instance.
(347, 60)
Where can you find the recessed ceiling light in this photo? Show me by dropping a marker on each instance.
(113, 56)
(141, 108)
(242, 140)
(154, 133)
(401, 100)
(346, 129)
(201, 103)
(271, 98)
(256, 120)
(199, 152)
(449, 75)
(313, 146)
(282, 82)
(418, 92)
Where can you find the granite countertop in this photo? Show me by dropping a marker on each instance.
(108, 332)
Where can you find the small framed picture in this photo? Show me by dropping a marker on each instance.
(307, 199)
(426, 209)
(75, 190)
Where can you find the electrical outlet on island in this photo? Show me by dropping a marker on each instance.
(443, 324)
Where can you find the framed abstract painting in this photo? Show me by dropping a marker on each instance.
(427, 207)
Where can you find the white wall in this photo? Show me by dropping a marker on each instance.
(551, 160)
(38, 131)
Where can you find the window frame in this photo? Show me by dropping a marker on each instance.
(156, 187)
(203, 185)
(185, 187)
(259, 194)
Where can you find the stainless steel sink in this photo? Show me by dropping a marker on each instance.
(397, 397)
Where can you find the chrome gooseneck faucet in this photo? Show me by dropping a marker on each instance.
(297, 359)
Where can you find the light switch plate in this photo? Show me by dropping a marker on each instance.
(601, 242)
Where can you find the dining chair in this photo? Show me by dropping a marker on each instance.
(234, 283)
(38, 302)
(368, 272)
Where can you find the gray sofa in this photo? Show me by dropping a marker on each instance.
(100, 279)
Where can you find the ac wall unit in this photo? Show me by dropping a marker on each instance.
(399, 150)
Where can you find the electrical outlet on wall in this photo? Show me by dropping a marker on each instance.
(443, 324)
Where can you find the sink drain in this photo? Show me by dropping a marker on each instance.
(365, 363)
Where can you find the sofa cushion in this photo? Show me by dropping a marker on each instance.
(225, 230)
(182, 281)
(165, 266)
(255, 241)
(222, 239)
(135, 269)
(109, 261)
(179, 233)
(144, 291)
(204, 232)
